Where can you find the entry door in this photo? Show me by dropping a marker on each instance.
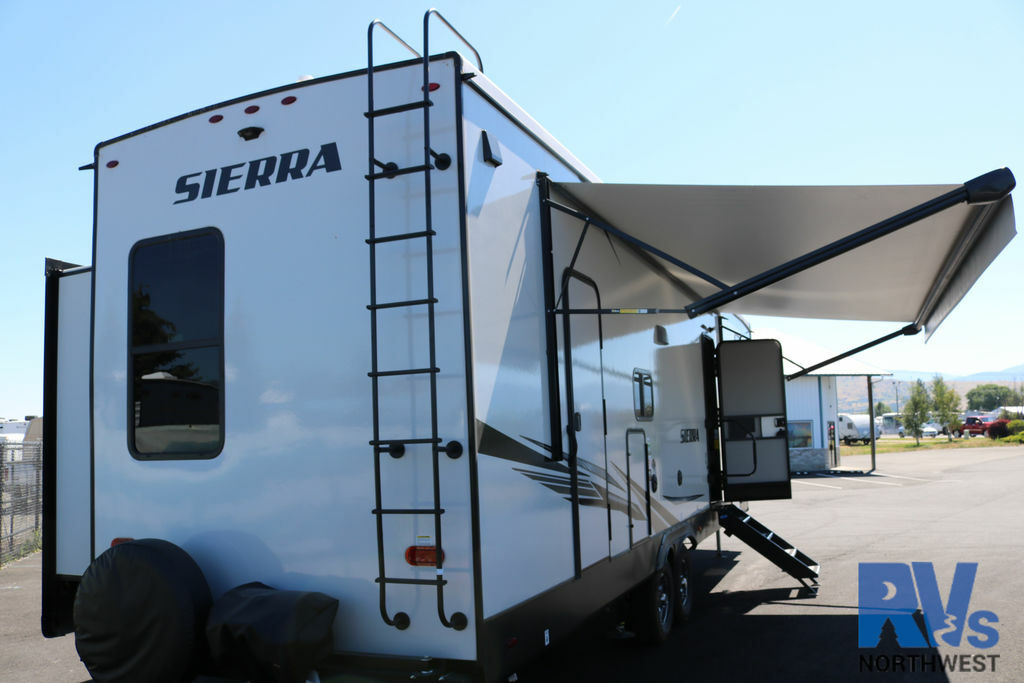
(752, 396)
(584, 415)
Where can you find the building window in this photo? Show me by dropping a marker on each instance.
(176, 346)
(643, 395)
(801, 433)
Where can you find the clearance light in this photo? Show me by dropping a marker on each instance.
(216, 118)
(432, 87)
(252, 109)
(422, 555)
(289, 100)
(119, 540)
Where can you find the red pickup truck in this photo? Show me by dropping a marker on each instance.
(976, 425)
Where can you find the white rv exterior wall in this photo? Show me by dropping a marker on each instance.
(525, 525)
(288, 501)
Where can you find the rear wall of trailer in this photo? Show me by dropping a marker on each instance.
(287, 500)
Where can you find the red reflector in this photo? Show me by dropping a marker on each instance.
(432, 86)
(112, 164)
(216, 118)
(289, 100)
(511, 642)
(119, 540)
(252, 109)
(422, 555)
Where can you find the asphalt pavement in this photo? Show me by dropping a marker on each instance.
(751, 621)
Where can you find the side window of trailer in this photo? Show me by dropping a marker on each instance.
(176, 346)
(643, 395)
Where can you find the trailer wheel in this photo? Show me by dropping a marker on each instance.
(656, 603)
(140, 614)
(683, 580)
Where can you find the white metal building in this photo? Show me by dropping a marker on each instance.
(812, 402)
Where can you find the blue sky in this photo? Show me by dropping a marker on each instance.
(865, 92)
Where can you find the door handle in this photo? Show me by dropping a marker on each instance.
(577, 422)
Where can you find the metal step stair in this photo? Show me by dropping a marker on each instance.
(740, 524)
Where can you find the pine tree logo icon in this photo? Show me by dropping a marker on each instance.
(887, 639)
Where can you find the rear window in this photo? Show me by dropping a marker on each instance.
(176, 342)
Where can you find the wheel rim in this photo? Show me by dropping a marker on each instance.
(684, 586)
(664, 597)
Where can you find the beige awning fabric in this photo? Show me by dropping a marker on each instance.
(917, 274)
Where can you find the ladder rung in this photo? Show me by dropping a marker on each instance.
(414, 582)
(388, 442)
(403, 236)
(408, 511)
(393, 373)
(399, 304)
(399, 171)
(397, 109)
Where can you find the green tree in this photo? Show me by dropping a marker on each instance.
(988, 397)
(881, 408)
(945, 404)
(915, 410)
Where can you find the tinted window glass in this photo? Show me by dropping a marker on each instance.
(172, 282)
(176, 331)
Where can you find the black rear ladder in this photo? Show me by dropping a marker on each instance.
(397, 447)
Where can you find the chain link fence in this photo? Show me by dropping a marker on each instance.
(21, 499)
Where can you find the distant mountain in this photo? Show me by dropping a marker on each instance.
(914, 375)
(1014, 374)
(852, 392)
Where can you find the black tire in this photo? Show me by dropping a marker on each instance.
(655, 607)
(140, 614)
(682, 576)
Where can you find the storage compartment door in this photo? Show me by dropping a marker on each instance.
(752, 397)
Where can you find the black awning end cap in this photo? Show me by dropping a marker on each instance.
(990, 187)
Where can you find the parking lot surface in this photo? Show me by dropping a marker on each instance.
(755, 623)
(752, 622)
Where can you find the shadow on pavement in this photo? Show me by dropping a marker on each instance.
(724, 642)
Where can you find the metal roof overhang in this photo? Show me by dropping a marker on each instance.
(896, 253)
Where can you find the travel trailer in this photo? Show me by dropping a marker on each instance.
(853, 428)
(380, 343)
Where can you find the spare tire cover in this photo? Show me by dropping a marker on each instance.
(140, 612)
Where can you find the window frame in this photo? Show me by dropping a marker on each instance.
(133, 351)
(809, 433)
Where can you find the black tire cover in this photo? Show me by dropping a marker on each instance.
(140, 614)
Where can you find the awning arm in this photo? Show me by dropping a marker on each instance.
(908, 331)
(984, 189)
(632, 240)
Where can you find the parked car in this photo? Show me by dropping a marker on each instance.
(977, 425)
(930, 430)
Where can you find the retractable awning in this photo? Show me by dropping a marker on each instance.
(716, 238)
